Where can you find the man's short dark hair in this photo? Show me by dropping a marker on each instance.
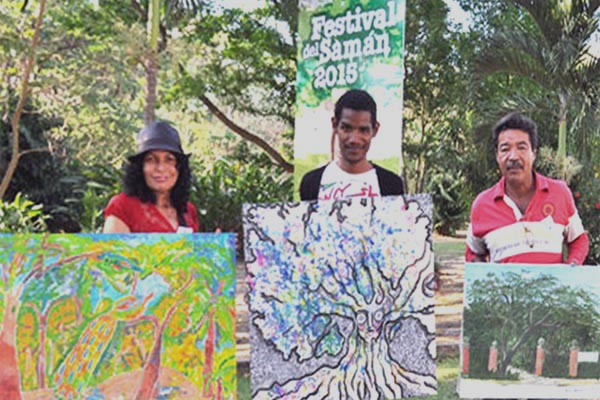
(134, 183)
(357, 100)
(516, 120)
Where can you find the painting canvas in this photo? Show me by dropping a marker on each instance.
(144, 316)
(348, 44)
(531, 331)
(341, 298)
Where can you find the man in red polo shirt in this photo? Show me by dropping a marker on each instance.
(525, 217)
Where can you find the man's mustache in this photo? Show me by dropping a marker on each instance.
(514, 165)
(354, 146)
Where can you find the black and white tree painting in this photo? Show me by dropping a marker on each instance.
(341, 298)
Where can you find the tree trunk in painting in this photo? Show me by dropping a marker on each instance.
(10, 378)
(152, 367)
(151, 371)
(219, 389)
(41, 363)
(209, 351)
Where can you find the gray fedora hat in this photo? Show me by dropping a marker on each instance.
(158, 136)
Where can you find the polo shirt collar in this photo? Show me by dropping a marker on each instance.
(541, 184)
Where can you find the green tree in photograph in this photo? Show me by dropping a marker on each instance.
(516, 310)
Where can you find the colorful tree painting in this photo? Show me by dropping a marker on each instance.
(341, 299)
(117, 316)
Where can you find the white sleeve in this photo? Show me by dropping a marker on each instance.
(475, 243)
(574, 228)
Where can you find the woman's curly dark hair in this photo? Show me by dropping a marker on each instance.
(134, 183)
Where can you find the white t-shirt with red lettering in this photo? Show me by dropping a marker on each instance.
(337, 183)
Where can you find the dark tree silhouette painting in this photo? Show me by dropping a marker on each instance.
(341, 299)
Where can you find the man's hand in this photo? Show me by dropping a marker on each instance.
(479, 258)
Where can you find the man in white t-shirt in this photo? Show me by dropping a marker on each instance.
(354, 124)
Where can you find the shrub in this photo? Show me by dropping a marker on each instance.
(22, 215)
(549, 163)
(221, 188)
(91, 192)
(586, 190)
(450, 204)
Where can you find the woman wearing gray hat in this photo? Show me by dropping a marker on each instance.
(156, 187)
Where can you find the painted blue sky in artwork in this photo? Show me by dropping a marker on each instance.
(584, 277)
(134, 239)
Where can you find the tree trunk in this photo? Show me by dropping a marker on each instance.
(209, 351)
(219, 389)
(510, 352)
(151, 71)
(562, 129)
(274, 154)
(151, 64)
(152, 367)
(78, 316)
(421, 159)
(16, 119)
(10, 377)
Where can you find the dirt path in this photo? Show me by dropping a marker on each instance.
(547, 389)
(242, 336)
(448, 300)
(448, 303)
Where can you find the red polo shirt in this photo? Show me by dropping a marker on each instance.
(500, 230)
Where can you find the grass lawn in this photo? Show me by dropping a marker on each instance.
(243, 384)
(449, 249)
(447, 371)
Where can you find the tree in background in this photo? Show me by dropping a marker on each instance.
(551, 47)
(23, 94)
(436, 112)
(247, 61)
(89, 85)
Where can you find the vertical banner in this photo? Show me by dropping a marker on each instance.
(346, 44)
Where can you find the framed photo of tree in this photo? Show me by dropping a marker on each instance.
(530, 331)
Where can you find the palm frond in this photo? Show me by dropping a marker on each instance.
(516, 52)
(543, 12)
